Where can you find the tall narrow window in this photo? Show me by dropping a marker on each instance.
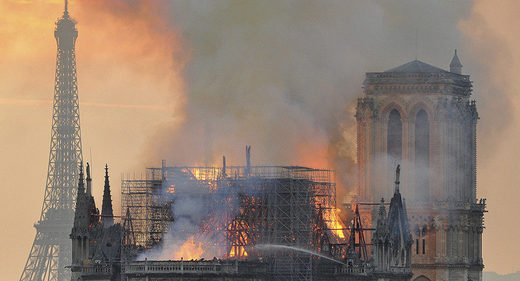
(394, 143)
(422, 156)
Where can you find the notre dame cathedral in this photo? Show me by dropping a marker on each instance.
(422, 117)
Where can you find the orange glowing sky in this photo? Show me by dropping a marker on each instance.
(131, 84)
(127, 77)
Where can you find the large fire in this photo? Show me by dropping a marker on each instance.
(190, 250)
(237, 251)
(334, 223)
(238, 236)
(226, 216)
(195, 248)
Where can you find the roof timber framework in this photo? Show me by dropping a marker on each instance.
(276, 205)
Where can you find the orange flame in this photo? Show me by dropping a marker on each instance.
(237, 229)
(334, 222)
(189, 250)
(237, 251)
(196, 174)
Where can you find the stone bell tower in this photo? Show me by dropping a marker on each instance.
(421, 117)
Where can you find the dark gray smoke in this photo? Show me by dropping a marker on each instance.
(283, 76)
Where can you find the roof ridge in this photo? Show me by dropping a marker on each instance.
(416, 66)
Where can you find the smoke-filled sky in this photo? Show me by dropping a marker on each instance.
(188, 81)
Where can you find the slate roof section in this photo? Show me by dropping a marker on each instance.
(416, 66)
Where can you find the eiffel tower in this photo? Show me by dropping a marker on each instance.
(51, 250)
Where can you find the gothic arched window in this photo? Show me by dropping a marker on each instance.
(394, 143)
(422, 156)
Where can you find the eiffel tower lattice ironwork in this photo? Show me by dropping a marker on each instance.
(51, 250)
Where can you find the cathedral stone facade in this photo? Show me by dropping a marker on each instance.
(422, 117)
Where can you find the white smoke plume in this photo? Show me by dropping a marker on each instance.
(200, 217)
(284, 76)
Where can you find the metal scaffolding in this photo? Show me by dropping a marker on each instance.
(149, 214)
(276, 205)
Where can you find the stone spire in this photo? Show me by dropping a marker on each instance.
(392, 240)
(81, 213)
(81, 181)
(455, 65)
(79, 233)
(397, 175)
(398, 227)
(107, 213)
(381, 241)
(381, 218)
(66, 11)
(89, 181)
